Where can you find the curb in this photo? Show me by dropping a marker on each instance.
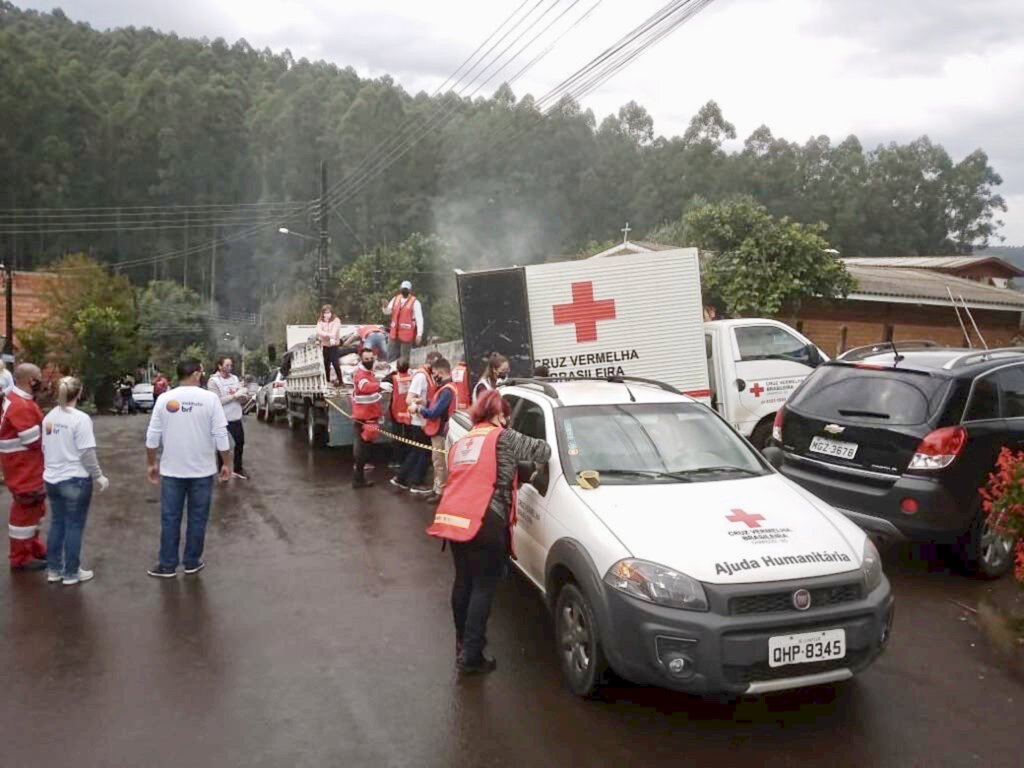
(999, 635)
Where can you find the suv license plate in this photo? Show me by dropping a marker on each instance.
(833, 448)
(827, 645)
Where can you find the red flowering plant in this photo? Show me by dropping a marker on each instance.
(1003, 501)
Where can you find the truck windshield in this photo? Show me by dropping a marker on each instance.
(644, 443)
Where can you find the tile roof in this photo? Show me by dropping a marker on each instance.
(934, 262)
(874, 282)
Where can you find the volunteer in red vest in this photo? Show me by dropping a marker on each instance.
(406, 315)
(413, 471)
(21, 455)
(460, 378)
(437, 414)
(400, 379)
(366, 413)
(495, 373)
(477, 514)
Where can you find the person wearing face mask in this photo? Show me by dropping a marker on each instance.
(328, 333)
(21, 455)
(495, 373)
(436, 416)
(366, 413)
(406, 315)
(411, 474)
(477, 514)
(226, 386)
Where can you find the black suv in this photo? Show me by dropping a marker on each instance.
(900, 441)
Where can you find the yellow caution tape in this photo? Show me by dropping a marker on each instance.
(396, 438)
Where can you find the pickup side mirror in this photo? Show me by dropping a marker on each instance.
(533, 474)
(773, 456)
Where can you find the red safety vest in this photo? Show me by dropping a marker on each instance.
(399, 406)
(433, 426)
(21, 444)
(460, 378)
(365, 395)
(403, 319)
(472, 473)
(366, 330)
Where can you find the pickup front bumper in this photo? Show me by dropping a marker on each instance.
(725, 650)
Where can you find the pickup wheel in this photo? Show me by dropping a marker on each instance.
(579, 646)
(983, 553)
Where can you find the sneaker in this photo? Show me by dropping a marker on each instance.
(190, 569)
(483, 667)
(398, 483)
(82, 575)
(159, 572)
(52, 577)
(421, 490)
(240, 475)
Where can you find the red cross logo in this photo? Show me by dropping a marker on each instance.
(584, 312)
(739, 516)
(756, 390)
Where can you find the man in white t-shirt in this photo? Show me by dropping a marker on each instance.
(189, 423)
(226, 386)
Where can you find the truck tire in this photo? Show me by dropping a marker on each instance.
(314, 431)
(981, 552)
(579, 644)
(761, 437)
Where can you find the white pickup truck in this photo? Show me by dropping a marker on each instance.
(671, 551)
(634, 315)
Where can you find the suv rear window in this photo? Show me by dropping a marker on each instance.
(867, 396)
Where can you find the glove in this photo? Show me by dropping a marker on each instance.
(102, 483)
(386, 386)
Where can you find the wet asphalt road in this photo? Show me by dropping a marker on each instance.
(319, 635)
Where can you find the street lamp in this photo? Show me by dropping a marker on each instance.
(286, 230)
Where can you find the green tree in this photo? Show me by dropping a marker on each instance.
(171, 318)
(103, 347)
(757, 264)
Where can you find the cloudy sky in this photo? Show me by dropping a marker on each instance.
(882, 69)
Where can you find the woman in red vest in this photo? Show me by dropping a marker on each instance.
(477, 514)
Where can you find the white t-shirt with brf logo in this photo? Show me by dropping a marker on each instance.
(189, 423)
(67, 432)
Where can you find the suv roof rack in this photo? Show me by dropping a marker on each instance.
(859, 353)
(546, 385)
(983, 355)
(541, 384)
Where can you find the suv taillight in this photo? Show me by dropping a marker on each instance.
(939, 449)
(780, 416)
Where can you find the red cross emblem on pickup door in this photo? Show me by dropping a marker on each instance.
(756, 390)
(584, 312)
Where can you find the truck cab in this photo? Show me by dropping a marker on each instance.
(753, 366)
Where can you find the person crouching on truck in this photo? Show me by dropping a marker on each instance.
(414, 468)
(477, 514)
(400, 379)
(366, 414)
(437, 414)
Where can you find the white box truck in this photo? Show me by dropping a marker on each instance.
(634, 315)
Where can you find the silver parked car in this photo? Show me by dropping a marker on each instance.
(270, 400)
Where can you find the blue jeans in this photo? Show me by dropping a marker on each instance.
(69, 507)
(174, 492)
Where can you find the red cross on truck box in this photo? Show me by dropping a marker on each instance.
(584, 312)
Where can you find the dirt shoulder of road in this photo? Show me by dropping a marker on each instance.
(1001, 618)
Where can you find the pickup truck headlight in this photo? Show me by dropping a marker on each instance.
(657, 584)
(871, 566)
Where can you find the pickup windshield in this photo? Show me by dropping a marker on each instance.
(643, 443)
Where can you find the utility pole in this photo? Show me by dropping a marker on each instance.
(321, 271)
(9, 299)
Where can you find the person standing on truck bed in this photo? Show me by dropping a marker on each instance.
(495, 373)
(225, 385)
(406, 315)
(476, 515)
(366, 413)
(437, 414)
(414, 468)
(328, 333)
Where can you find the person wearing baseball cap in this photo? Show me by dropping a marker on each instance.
(406, 315)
